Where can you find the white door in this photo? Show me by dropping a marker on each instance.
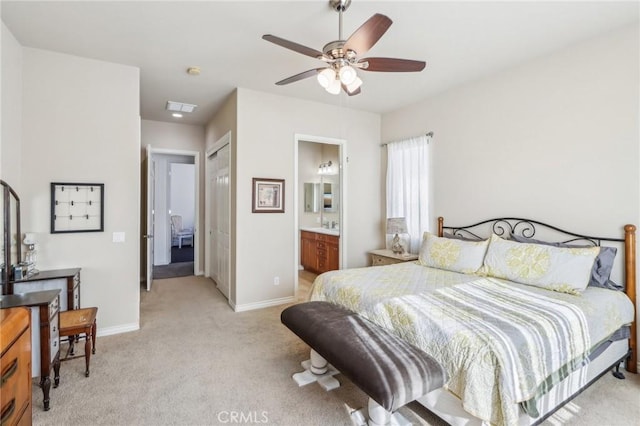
(220, 220)
(150, 214)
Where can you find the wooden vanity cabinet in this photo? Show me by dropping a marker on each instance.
(319, 252)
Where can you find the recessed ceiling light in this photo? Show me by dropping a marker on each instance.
(180, 106)
(177, 115)
(193, 70)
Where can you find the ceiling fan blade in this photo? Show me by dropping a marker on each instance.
(293, 46)
(300, 76)
(391, 65)
(368, 34)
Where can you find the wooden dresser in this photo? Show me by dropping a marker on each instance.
(15, 364)
(66, 280)
(45, 309)
(319, 252)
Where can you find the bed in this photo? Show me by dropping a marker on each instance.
(517, 342)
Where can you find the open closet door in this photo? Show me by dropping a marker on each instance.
(150, 215)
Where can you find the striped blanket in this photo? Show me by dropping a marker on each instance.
(492, 336)
(503, 344)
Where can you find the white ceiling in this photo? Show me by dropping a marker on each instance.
(460, 41)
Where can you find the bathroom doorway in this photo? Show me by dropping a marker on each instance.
(319, 193)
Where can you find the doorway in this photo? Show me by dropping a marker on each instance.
(171, 188)
(320, 169)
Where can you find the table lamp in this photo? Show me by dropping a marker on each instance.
(397, 225)
(31, 254)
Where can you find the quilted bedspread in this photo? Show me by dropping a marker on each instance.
(501, 343)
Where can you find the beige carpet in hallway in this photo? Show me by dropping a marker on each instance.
(196, 362)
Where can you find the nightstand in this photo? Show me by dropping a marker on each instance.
(387, 257)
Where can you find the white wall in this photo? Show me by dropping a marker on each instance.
(265, 141)
(555, 139)
(11, 117)
(81, 124)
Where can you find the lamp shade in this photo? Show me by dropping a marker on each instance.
(396, 225)
(347, 75)
(29, 238)
(334, 87)
(326, 76)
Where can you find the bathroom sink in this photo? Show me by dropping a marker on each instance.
(320, 230)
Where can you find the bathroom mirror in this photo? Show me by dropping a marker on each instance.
(11, 245)
(330, 197)
(311, 197)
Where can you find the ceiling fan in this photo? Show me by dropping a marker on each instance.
(343, 57)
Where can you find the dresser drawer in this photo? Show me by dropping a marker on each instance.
(331, 239)
(54, 341)
(308, 235)
(76, 297)
(15, 391)
(54, 307)
(381, 260)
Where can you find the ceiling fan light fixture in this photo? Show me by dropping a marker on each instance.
(348, 75)
(326, 77)
(354, 85)
(334, 87)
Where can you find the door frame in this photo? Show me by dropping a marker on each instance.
(151, 201)
(343, 159)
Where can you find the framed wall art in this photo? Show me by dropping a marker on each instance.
(267, 195)
(77, 207)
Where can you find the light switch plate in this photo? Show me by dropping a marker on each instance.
(118, 237)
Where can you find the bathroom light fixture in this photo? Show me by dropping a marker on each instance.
(177, 115)
(325, 168)
(180, 106)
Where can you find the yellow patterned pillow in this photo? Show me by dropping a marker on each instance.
(562, 269)
(452, 254)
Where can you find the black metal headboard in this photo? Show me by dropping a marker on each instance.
(513, 226)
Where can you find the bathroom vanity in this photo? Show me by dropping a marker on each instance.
(319, 249)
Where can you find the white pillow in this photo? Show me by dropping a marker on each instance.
(452, 254)
(562, 269)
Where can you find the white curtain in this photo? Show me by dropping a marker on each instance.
(408, 185)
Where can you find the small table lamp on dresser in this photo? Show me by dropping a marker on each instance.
(397, 225)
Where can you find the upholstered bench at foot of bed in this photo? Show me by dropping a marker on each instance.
(389, 370)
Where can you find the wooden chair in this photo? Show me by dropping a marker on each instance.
(75, 323)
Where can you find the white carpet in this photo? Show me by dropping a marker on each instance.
(196, 362)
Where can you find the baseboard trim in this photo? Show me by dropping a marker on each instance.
(118, 329)
(260, 305)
